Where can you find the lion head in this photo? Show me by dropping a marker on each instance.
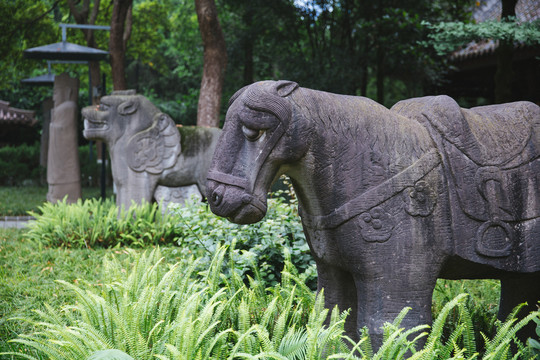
(149, 138)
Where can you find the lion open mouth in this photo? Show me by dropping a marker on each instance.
(94, 121)
(93, 124)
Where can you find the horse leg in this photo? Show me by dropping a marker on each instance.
(515, 291)
(381, 300)
(340, 290)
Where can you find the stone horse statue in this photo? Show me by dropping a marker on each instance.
(390, 200)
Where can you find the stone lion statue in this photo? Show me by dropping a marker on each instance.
(147, 149)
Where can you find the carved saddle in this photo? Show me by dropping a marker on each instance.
(493, 156)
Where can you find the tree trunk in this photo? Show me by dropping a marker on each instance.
(248, 45)
(364, 68)
(380, 74)
(248, 61)
(215, 62)
(83, 16)
(120, 31)
(504, 74)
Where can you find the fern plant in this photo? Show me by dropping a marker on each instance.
(147, 309)
(92, 223)
(150, 310)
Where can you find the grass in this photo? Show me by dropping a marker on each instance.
(29, 271)
(137, 304)
(17, 201)
(28, 274)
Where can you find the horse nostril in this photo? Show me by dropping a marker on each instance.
(217, 196)
(216, 199)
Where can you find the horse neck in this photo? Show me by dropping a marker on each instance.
(355, 145)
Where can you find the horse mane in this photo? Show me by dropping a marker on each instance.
(360, 121)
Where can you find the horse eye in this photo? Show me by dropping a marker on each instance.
(251, 134)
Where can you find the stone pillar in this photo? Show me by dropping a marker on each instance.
(63, 168)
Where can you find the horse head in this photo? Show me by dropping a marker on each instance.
(257, 139)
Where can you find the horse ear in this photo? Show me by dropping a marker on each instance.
(128, 107)
(285, 87)
(236, 95)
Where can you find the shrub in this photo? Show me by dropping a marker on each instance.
(257, 246)
(95, 223)
(90, 168)
(194, 228)
(19, 163)
(535, 344)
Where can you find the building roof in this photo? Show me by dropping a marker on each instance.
(486, 10)
(526, 10)
(65, 51)
(14, 116)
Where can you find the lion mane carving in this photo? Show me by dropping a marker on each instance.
(147, 149)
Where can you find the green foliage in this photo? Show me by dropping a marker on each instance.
(351, 47)
(482, 302)
(110, 354)
(258, 248)
(27, 280)
(17, 201)
(165, 56)
(92, 223)
(533, 343)
(21, 30)
(146, 309)
(446, 37)
(149, 310)
(90, 168)
(19, 163)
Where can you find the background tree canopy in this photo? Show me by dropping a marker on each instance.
(378, 49)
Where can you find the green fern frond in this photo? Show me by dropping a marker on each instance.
(438, 324)
(269, 313)
(366, 348)
(244, 322)
(293, 344)
(499, 346)
(110, 354)
(392, 338)
(450, 346)
(402, 345)
(469, 341)
(397, 321)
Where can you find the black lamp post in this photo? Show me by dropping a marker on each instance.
(66, 52)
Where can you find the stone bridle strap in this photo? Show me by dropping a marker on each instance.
(272, 104)
(376, 195)
(228, 179)
(244, 183)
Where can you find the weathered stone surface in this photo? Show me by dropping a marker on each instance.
(390, 200)
(63, 168)
(175, 195)
(147, 149)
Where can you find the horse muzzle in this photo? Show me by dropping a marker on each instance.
(234, 203)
